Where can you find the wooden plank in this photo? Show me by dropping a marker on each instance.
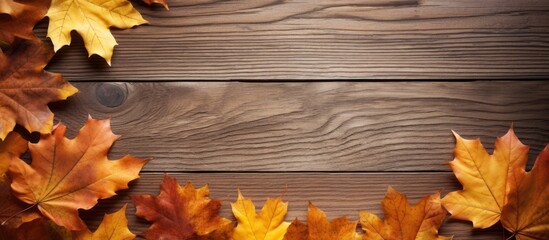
(336, 194)
(230, 126)
(296, 39)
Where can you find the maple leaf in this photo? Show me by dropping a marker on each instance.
(113, 227)
(12, 211)
(26, 89)
(267, 225)
(39, 228)
(484, 178)
(182, 213)
(70, 174)
(318, 227)
(162, 2)
(10, 148)
(17, 19)
(92, 20)
(403, 221)
(297, 231)
(526, 213)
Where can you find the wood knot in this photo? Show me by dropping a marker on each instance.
(111, 94)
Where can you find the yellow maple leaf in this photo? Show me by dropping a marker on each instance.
(267, 225)
(92, 20)
(113, 227)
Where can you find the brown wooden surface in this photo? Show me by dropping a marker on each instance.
(324, 39)
(337, 144)
(389, 126)
(336, 194)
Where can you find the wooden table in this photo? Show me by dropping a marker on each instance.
(264, 96)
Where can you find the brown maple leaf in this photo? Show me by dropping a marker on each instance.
(17, 19)
(526, 213)
(113, 227)
(70, 174)
(26, 89)
(11, 148)
(162, 2)
(319, 228)
(39, 228)
(403, 221)
(12, 211)
(182, 213)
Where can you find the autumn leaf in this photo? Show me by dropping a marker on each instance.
(526, 214)
(12, 211)
(297, 231)
(92, 20)
(267, 225)
(26, 89)
(113, 227)
(70, 174)
(11, 148)
(484, 178)
(319, 228)
(403, 221)
(182, 213)
(17, 19)
(162, 2)
(39, 228)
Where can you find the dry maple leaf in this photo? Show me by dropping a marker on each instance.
(12, 211)
(297, 231)
(92, 20)
(403, 221)
(526, 213)
(162, 2)
(17, 19)
(484, 178)
(267, 225)
(70, 174)
(113, 227)
(318, 227)
(182, 213)
(11, 148)
(26, 89)
(39, 228)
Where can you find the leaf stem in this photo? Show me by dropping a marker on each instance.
(17, 213)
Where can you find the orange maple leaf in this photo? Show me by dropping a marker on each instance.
(403, 221)
(526, 213)
(484, 178)
(319, 228)
(17, 19)
(70, 174)
(113, 227)
(182, 213)
(497, 187)
(26, 89)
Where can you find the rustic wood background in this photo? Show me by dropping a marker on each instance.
(336, 143)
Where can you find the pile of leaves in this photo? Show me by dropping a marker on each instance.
(40, 198)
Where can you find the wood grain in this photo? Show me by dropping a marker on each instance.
(333, 126)
(336, 194)
(310, 39)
